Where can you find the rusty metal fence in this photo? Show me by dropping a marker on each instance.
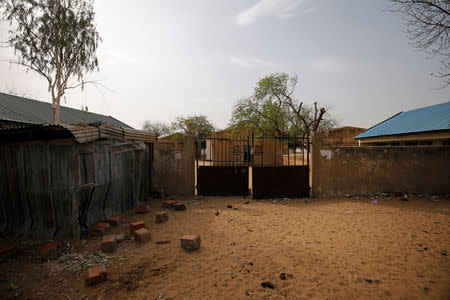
(280, 167)
(274, 166)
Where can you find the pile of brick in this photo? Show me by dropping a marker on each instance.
(173, 204)
(109, 242)
(50, 251)
(190, 242)
(101, 229)
(7, 250)
(161, 217)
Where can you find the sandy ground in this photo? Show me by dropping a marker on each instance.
(334, 249)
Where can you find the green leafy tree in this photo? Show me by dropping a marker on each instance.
(159, 128)
(57, 39)
(197, 125)
(273, 109)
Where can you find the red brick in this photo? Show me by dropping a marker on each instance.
(108, 244)
(163, 242)
(142, 209)
(96, 275)
(50, 251)
(113, 221)
(168, 203)
(179, 206)
(7, 250)
(142, 235)
(121, 237)
(161, 216)
(101, 229)
(136, 225)
(190, 242)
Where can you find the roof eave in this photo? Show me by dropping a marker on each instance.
(400, 134)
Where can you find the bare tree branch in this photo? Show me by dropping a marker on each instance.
(428, 28)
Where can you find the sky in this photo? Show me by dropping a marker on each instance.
(164, 58)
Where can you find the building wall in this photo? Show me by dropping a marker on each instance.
(56, 190)
(341, 136)
(173, 169)
(413, 139)
(340, 170)
(224, 151)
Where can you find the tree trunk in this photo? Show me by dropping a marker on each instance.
(56, 110)
(57, 119)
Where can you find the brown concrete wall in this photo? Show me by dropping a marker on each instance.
(340, 170)
(173, 169)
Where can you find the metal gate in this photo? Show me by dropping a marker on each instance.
(280, 167)
(276, 166)
(222, 166)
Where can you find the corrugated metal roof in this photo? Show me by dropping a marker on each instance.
(430, 118)
(19, 109)
(145, 136)
(82, 132)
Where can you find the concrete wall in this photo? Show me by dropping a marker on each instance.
(340, 170)
(173, 169)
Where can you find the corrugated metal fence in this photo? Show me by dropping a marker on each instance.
(56, 190)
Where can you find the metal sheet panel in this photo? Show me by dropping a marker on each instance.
(140, 135)
(111, 132)
(280, 181)
(222, 181)
(83, 133)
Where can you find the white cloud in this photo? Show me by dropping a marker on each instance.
(282, 9)
(250, 62)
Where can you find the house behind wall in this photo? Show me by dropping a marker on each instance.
(367, 170)
(56, 180)
(342, 136)
(230, 145)
(425, 126)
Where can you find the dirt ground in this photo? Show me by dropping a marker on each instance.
(328, 249)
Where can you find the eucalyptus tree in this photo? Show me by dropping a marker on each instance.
(57, 39)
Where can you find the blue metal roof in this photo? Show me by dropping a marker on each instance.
(430, 118)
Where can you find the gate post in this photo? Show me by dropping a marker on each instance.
(189, 164)
(316, 145)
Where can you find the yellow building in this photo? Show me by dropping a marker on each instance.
(343, 136)
(237, 146)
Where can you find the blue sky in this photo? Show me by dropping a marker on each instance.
(161, 59)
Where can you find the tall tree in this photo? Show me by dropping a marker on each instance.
(273, 109)
(198, 125)
(428, 23)
(57, 39)
(159, 128)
